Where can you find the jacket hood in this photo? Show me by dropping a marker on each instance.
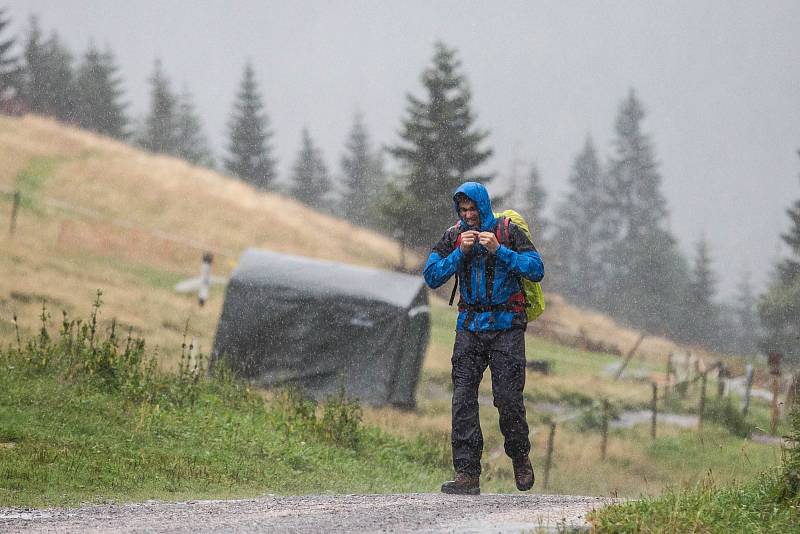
(478, 194)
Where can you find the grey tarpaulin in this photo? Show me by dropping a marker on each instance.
(323, 325)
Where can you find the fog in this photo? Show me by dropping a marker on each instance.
(720, 82)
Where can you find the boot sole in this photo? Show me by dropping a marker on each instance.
(460, 491)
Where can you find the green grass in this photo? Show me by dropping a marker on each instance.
(30, 179)
(90, 419)
(769, 502)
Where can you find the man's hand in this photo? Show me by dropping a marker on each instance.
(488, 240)
(468, 239)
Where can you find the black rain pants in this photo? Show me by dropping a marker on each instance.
(503, 352)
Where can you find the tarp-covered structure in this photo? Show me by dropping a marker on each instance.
(321, 325)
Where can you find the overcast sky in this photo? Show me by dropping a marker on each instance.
(719, 80)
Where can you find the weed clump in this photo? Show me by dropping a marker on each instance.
(99, 361)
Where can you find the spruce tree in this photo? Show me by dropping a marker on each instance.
(582, 232)
(534, 201)
(779, 308)
(9, 66)
(700, 307)
(192, 144)
(49, 86)
(250, 153)
(36, 87)
(160, 133)
(633, 185)
(439, 147)
(99, 94)
(643, 293)
(64, 92)
(310, 183)
(363, 180)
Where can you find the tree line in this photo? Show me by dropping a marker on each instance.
(607, 247)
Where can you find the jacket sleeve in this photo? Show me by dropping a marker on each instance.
(521, 258)
(443, 260)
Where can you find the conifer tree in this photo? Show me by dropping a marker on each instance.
(36, 90)
(64, 91)
(250, 153)
(534, 201)
(310, 183)
(582, 231)
(99, 93)
(439, 147)
(192, 144)
(49, 86)
(700, 306)
(363, 181)
(9, 66)
(160, 127)
(633, 185)
(643, 293)
(779, 308)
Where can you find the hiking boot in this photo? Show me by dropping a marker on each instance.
(523, 473)
(464, 484)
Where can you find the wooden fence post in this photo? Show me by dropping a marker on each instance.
(549, 458)
(701, 409)
(748, 389)
(654, 408)
(669, 376)
(722, 374)
(774, 362)
(629, 356)
(604, 431)
(14, 211)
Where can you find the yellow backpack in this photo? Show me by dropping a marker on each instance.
(533, 290)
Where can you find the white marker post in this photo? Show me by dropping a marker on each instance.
(205, 278)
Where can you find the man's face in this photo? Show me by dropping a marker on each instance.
(468, 211)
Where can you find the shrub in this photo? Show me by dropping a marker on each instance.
(723, 412)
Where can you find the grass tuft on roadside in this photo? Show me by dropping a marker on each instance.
(768, 503)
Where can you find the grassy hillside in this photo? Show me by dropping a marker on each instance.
(97, 213)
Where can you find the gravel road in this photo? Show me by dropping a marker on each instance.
(416, 512)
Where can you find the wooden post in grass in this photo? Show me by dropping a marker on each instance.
(669, 376)
(791, 395)
(654, 408)
(629, 356)
(702, 408)
(549, 458)
(14, 211)
(604, 431)
(722, 374)
(748, 388)
(774, 362)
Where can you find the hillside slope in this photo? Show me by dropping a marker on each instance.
(99, 214)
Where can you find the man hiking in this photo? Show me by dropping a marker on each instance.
(490, 330)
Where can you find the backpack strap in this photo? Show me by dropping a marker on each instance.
(501, 230)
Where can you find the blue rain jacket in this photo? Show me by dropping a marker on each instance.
(520, 258)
